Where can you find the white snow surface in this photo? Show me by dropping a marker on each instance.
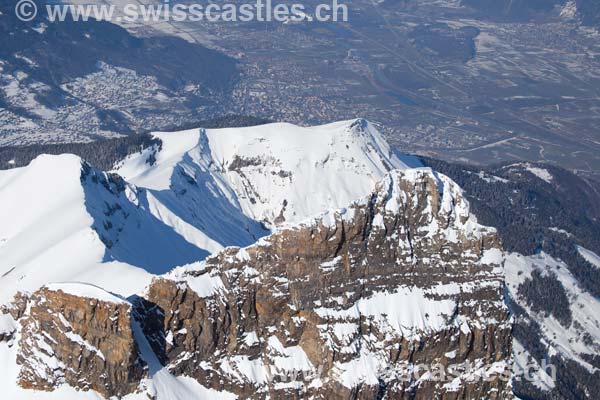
(205, 285)
(541, 173)
(46, 233)
(589, 256)
(158, 176)
(284, 169)
(7, 324)
(585, 308)
(407, 312)
(86, 290)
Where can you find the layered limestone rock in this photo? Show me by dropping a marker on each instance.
(345, 305)
(352, 304)
(79, 335)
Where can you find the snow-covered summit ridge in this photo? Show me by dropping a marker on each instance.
(275, 172)
(202, 190)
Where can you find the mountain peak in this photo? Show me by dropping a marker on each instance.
(402, 275)
(272, 173)
(197, 192)
(397, 277)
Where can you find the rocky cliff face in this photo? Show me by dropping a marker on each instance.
(346, 305)
(69, 336)
(339, 306)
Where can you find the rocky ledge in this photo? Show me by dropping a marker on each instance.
(79, 335)
(342, 306)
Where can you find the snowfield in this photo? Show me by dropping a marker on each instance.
(271, 170)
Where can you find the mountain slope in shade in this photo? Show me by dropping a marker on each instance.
(63, 220)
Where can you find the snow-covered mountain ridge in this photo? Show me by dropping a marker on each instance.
(335, 299)
(271, 173)
(203, 190)
(348, 299)
(313, 287)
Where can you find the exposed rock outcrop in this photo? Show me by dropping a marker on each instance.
(353, 304)
(339, 306)
(79, 335)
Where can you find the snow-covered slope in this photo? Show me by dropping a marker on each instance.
(62, 220)
(46, 233)
(271, 173)
(199, 192)
(571, 332)
(589, 256)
